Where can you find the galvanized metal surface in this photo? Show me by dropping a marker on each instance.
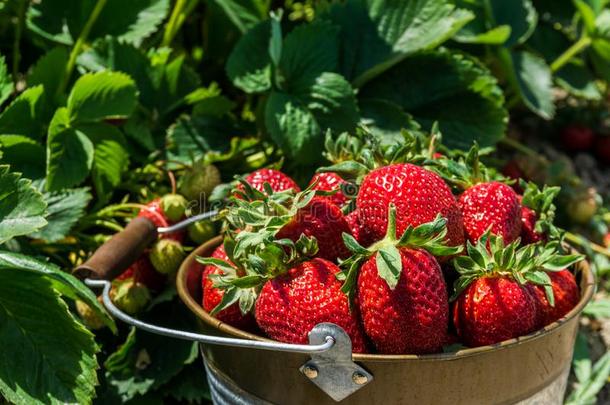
(333, 371)
(226, 392)
(516, 370)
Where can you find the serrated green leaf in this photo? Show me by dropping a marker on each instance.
(192, 137)
(188, 386)
(578, 80)
(66, 284)
(389, 265)
(385, 120)
(534, 81)
(6, 82)
(377, 34)
(64, 209)
(25, 115)
(331, 100)
(97, 96)
(110, 158)
(69, 157)
(52, 357)
(22, 208)
(128, 375)
(249, 65)
(49, 70)
(24, 155)
(519, 15)
(48, 19)
(308, 51)
(293, 127)
(449, 88)
(62, 21)
(495, 36)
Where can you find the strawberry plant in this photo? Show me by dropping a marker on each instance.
(284, 112)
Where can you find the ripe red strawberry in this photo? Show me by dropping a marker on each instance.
(565, 293)
(491, 205)
(493, 309)
(495, 298)
(289, 306)
(212, 296)
(412, 317)
(537, 211)
(577, 138)
(154, 212)
(400, 288)
(358, 231)
(143, 272)
(329, 181)
(276, 179)
(528, 225)
(419, 195)
(323, 220)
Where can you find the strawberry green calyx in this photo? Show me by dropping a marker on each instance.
(467, 170)
(490, 257)
(541, 202)
(258, 258)
(344, 148)
(413, 147)
(174, 206)
(429, 236)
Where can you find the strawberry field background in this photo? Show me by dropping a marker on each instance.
(106, 103)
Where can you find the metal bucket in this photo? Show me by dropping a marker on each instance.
(531, 369)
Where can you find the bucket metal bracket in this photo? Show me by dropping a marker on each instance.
(333, 371)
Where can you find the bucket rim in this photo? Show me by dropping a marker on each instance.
(587, 287)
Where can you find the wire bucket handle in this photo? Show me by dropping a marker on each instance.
(331, 367)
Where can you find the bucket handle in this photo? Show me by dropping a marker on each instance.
(331, 367)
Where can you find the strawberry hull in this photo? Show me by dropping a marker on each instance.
(533, 367)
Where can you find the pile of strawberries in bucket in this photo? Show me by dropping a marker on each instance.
(407, 249)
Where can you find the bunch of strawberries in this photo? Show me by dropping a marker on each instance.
(406, 249)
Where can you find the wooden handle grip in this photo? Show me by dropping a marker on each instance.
(118, 253)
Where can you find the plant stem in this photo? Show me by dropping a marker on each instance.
(583, 242)
(518, 146)
(569, 53)
(78, 45)
(16, 43)
(181, 9)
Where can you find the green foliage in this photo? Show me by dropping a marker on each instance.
(100, 99)
(22, 208)
(38, 328)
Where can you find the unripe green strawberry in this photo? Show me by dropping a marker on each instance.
(88, 316)
(130, 297)
(166, 256)
(201, 231)
(174, 206)
(198, 183)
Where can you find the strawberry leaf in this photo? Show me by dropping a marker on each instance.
(97, 96)
(221, 264)
(389, 265)
(22, 208)
(231, 296)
